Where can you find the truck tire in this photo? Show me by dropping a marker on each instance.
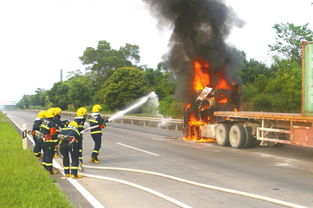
(249, 137)
(222, 134)
(237, 136)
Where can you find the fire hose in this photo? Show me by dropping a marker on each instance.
(94, 127)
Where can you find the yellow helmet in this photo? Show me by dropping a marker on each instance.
(42, 114)
(81, 111)
(73, 123)
(57, 111)
(96, 108)
(50, 113)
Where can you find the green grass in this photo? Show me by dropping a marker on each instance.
(23, 182)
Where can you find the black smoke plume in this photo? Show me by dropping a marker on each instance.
(200, 28)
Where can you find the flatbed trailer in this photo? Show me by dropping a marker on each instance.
(243, 129)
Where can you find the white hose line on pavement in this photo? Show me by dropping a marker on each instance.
(91, 199)
(158, 194)
(227, 190)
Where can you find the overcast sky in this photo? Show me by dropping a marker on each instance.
(40, 37)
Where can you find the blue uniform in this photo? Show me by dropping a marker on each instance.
(96, 133)
(69, 145)
(49, 129)
(80, 120)
(37, 140)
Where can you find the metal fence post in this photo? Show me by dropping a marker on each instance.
(24, 136)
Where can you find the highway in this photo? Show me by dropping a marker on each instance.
(284, 173)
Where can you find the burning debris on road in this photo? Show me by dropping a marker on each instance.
(200, 59)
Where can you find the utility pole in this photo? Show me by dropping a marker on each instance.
(61, 75)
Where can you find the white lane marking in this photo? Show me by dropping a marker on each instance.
(156, 193)
(227, 190)
(125, 145)
(286, 159)
(281, 164)
(91, 199)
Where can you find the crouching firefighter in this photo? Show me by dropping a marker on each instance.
(37, 135)
(96, 133)
(49, 130)
(69, 145)
(80, 120)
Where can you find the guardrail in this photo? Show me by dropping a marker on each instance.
(163, 123)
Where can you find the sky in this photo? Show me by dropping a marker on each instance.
(38, 38)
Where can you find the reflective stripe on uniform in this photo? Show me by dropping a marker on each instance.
(93, 121)
(95, 132)
(80, 158)
(66, 168)
(95, 151)
(80, 150)
(48, 164)
(55, 140)
(74, 167)
(44, 126)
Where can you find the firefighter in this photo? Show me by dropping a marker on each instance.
(69, 145)
(57, 118)
(37, 135)
(96, 133)
(61, 124)
(80, 120)
(49, 130)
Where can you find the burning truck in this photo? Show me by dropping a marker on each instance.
(215, 114)
(212, 92)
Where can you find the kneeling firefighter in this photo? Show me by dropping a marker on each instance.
(69, 145)
(80, 120)
(96, 133)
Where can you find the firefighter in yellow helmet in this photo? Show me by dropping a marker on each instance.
(37, 136)
(49, 130)
(80, 120)
(69, 145)
(96, 133)
(61, 124)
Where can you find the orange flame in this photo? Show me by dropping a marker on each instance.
(223, 100)
(222, 82)
(201, 77)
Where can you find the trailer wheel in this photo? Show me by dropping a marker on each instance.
(249, 137)
(222, 134)
(237, 136)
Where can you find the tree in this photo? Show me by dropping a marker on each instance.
(288, 41)
(285, 87)
(123, 87)
(58, 95)
(252, 69)
(81, 90)
(103, 60)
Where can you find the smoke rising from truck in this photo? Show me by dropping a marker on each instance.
(200, 28)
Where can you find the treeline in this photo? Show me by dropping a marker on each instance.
(114, 80)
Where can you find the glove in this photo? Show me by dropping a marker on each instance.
(102, 126)
(65, 123)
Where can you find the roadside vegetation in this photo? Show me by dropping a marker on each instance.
(23, 182)
(114, 79)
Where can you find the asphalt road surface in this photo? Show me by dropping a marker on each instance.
(284, 173)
